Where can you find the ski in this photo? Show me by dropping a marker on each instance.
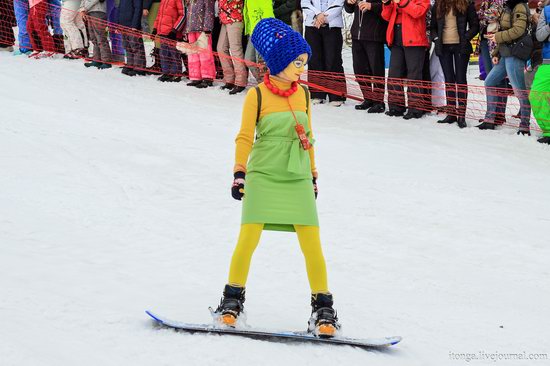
(278, 336)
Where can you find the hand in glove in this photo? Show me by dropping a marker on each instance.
(315, 190)
(237, 189)
(172, 35)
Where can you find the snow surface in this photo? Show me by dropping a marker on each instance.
(114, 199)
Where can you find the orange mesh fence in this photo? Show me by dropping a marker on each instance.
(116, 44)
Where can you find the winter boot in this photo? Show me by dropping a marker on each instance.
(205, 83)
(236, 90)
(194, 83)
(93, 64)
(164, 78)
(544, 140)
(449, 119)
(324, 320)
(227, 86)
(364, 106)
(231, 305)
(377, 108)
(486, 125)
(462, 122)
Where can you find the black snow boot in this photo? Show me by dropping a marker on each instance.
(544, 140)
(231, 305)
(324, 320)
(449, 119)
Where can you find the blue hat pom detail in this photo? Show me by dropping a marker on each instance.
(278, 44)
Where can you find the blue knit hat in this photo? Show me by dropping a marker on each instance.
(278, 44)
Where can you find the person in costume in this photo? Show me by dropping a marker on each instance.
(540, 91)
(275, 175)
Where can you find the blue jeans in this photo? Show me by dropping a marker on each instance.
(513, 68)
(170, 60)
(22, 14)
(54, 12)
(116, 39)
(488, 65)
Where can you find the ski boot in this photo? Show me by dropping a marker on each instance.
(231, 305)
(324, 320)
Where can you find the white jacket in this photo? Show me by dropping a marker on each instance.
(91, 6)
(332, 8)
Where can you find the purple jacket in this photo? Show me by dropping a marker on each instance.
(200, 16)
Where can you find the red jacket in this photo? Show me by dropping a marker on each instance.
(171, 15)
(413, 21)
(231, 11)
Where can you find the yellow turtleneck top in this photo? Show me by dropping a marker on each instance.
(271, 103)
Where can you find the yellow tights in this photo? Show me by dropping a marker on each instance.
(310, 243)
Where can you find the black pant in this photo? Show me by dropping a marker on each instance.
(405, 62)
(455, 68)
(368, 60)
(428, 85)
(326, 46)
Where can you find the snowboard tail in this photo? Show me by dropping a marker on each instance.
(283, 336)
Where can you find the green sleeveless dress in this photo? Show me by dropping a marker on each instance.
(279, 189)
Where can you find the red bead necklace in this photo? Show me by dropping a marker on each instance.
(283, 93)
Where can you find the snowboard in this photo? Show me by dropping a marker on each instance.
(283, 336)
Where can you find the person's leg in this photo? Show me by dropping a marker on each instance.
(141, 60)
(332, 46)
(235, 33)
(39, 20)
(461, 72)
(194, 65)
(225, 59)
(207, 63)
(310, 243)
(165, 58)
(94, 34)
(396, 73)
(101, 38)
(493, 90)
(83, 34)
(22, 14)
(447, 64)
(540, 98)
(414, 59)
(316, 63)
(117, 45)
(375, 58)
(127, 44)
(361, 69)
(249, 238)
(514, 70)
(250, 57)
(68, 15)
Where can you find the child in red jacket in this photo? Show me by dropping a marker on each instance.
(406, 36)
(169, 23)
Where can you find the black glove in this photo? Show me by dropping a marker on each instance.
(154, 32)
(237, 189)
(172, 35)
(315, 190)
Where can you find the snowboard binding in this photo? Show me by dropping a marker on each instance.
(323, 322)
(231, 306)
